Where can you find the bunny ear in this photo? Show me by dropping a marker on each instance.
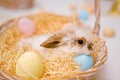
(54, 41)
(75, 15)
(96, 29)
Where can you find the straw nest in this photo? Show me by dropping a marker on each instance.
(57, 67)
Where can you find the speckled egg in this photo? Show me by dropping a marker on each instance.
(84, 61)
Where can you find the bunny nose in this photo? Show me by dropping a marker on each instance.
(90, 46)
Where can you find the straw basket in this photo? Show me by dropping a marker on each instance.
(45, 23)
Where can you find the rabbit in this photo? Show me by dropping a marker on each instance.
(75, 37)
(72, 38)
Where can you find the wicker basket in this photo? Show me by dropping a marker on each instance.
(49, 27)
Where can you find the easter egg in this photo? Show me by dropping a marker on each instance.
(29, 66)
(26, 26)
(89, 8)
(84, 61)
(109, 32)
(83, 15)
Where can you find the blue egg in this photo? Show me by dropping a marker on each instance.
(85, 61)
(83, 15)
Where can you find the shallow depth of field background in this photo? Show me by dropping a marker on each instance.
(111, 69)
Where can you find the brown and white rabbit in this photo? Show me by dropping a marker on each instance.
(71, 38)
(75, 38)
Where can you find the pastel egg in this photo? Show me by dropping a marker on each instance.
(84, 61)
(83, 15)
(90, 8)
(109, 32)
(29, 66)
(26, 26)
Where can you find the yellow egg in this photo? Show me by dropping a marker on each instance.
(29, 66)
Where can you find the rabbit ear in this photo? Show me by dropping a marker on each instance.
(75, 15)
(54, 41)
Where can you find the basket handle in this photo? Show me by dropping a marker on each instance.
(96, 29)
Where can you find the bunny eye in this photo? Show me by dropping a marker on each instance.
(81, 41)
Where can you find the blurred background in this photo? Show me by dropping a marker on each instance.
(110, 21)
(15, 8)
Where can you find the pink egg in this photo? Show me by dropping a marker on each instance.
(26, 26)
